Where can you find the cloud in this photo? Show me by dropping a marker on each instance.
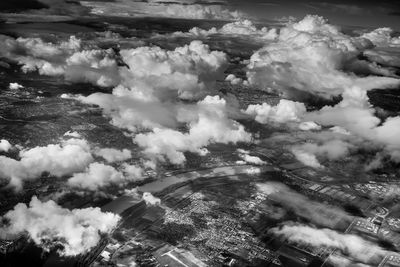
(355, 114)
(51, 226)
(62, 7)
(95, 66)
(128, 111)
(35, 54)
(332, 150)
(247, 28)
(285, 111)
(208, 123)
(5, 146)
(350, 9)
(187, 72)
(64, 58)
(387, 134)
(193, 32)
(306, 158)
(99, 176)
(126, 8)
(385, 56)
(156, 79)
(242, 28)
(351, 245)
(149, 98)
(15, 86)
(96, 175)
(200, 12)
(341, 261)
(148, 91)
(382, 37)
(309, 125)
(133, 172)
(113, 155)
(150, 199)
(233, 79)
(191, 2)
(353, 119)
(72, 134)
(20, 5)
(168, 143)
(337, 131)
(317, 212)
(70, 156)
(310, 56)
(250, 159)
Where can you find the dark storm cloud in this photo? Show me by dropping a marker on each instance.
(47, 7)
(20, 5)
(189, 2)
(64, 7)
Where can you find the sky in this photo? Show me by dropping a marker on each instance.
(372, 14)
(352, 12)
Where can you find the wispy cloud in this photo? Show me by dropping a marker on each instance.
(347, 8)
(175, 9)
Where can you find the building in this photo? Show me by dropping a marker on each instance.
(391, 260)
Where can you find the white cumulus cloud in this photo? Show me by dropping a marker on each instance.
(207, 124)
(150, 199)
(285, 111)
(246, 157)
(50, 226)
(352, 245)
(5, 145)
(306, 158)
(382, 37)
(15, 86)
(70, 156)
(97, 175)
(243, 28)
(310, 56)
(113, 155)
